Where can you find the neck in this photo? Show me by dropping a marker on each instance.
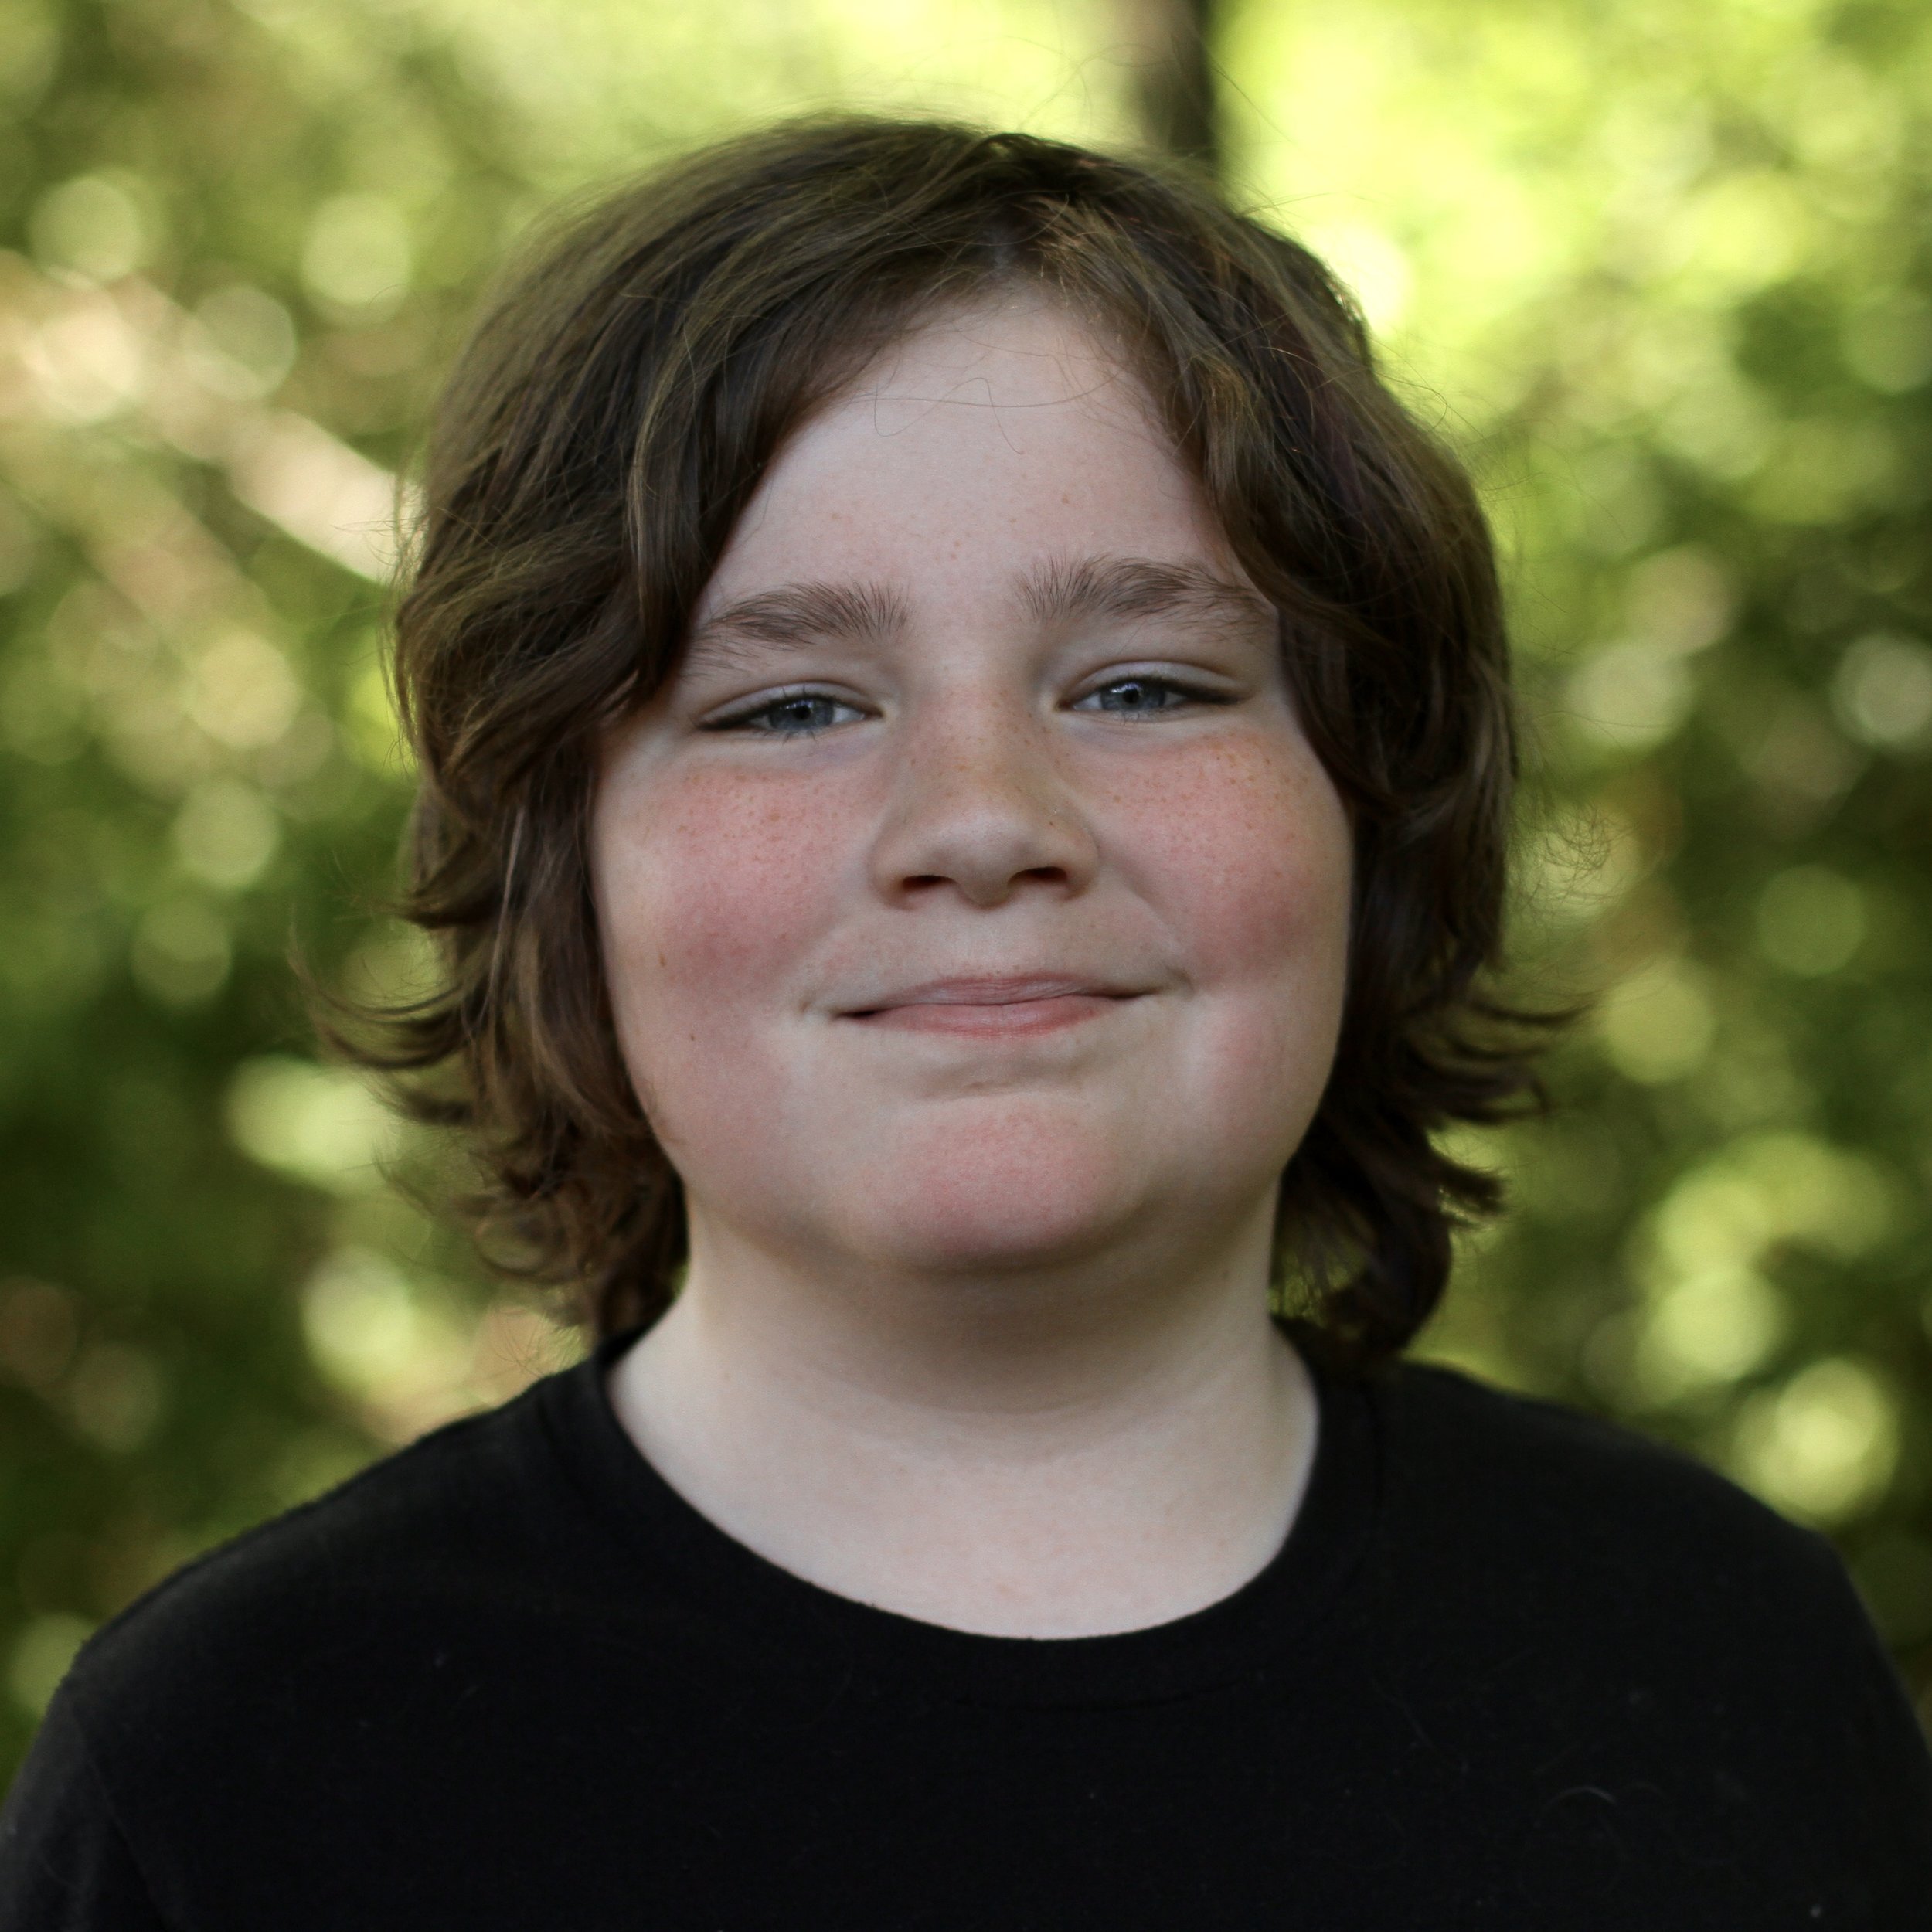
(1106, 1448)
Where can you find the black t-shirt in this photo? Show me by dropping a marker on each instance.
(1512, 1669)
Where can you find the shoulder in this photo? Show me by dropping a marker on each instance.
(1522, 1509)
(1533, 1465)
(332, 1665)
(1628, 1630)
(350, 1587)
(1467, 1463)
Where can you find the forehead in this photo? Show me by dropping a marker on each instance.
(983, 442)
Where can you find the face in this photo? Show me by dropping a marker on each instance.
(971, 898)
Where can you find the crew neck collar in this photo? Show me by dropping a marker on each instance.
(1260, 1628)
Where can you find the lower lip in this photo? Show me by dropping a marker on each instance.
(1012, 1019)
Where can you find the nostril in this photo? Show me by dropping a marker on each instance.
(921, 884)
(986, 850)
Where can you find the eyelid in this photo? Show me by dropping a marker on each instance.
(1194, 683)
(738, 711)
(1203, 687)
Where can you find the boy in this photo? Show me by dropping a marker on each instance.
(966, 762)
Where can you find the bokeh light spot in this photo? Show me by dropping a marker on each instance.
(242, 691)
(1657, 1025)
(321, 1124)
(1811, 920)
(116, 1396)
(357, 256)
(226, 832)
(41, 1655)
(1822, 1447)
(92, 227)
(181, 952)
(1883, 691)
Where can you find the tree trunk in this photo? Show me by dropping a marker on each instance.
(1174, 75)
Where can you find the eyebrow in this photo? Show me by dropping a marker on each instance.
(1063, 592)
(1058, 591)
(799, 613)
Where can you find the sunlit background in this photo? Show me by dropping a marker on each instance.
(1661, 271)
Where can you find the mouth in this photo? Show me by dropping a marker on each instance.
(996, 1007)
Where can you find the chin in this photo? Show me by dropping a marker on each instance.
(998, 1197)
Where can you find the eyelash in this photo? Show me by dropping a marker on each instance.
(1154, 681)
(746, 720)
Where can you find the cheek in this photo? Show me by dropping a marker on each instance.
(710, 890)
(1248, 856)
(1245, 849)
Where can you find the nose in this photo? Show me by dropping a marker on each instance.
(979, 807)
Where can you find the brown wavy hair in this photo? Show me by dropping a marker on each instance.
(625, 389)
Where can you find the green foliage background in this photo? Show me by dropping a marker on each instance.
(1661, 272)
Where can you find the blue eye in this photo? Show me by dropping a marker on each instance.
(1144, 698)
(799, 714)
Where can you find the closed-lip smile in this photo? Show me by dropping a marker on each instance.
(1001, 1005)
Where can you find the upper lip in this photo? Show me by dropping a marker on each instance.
(995, 989)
